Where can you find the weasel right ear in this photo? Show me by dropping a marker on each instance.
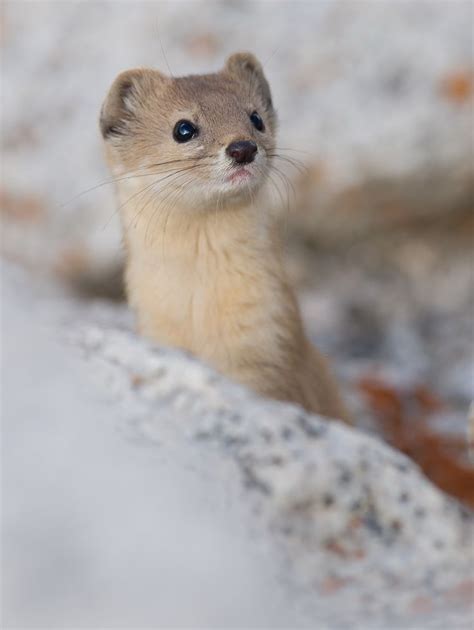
(247, 67)
(127, 92)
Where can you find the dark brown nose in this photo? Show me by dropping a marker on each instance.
(242, 151)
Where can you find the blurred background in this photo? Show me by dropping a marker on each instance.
(375, 99)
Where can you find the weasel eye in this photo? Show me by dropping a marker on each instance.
(184, 131)
(257, 121)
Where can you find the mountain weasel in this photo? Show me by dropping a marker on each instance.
(204, 268)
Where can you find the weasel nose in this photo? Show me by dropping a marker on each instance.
(242, 151)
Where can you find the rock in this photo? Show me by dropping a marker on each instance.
(336, 502)
(316, 482)
(323, 509)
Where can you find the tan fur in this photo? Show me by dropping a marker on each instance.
(204, 270)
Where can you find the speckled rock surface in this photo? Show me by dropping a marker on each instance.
(350, 517)
(354, 535)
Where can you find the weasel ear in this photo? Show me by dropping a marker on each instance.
(128, 90)
(246, 67)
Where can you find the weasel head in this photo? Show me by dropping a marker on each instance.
(203, 141)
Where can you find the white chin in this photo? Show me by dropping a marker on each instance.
(232, 194)
(223, 193)
(240, 185)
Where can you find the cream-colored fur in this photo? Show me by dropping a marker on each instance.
(204, 269)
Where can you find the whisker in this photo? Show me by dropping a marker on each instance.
(136, 218)
(200, 157)
(276, 188)
(122, 205)
(156, 181)
(130, 175)
(287, 181)
(178, 193)
(293, 150)
(170, 188)
(297, 164)
(174, 175)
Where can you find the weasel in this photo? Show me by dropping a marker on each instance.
(204, 270)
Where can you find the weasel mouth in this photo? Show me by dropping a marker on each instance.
(239, 175)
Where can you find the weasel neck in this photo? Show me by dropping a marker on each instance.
(198, 281)
(181, 237)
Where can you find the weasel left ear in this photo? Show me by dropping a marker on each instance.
(129, 89)
(247, 67)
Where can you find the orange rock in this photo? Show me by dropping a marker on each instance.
(421, 604)
(332, 584)
(457, 87)
(203, 45)
(403, 418)
(462, 592)
(27, 208)
(72, 262)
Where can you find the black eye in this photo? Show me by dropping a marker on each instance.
(257, 122)
(184, 131)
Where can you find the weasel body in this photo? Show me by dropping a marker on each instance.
(204, 266)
